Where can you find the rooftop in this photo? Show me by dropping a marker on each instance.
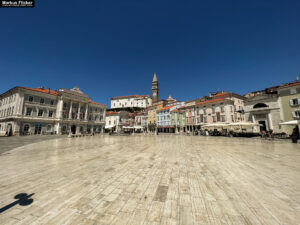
(211, 101)
(42, 90)
(130, 96)
(165, 108)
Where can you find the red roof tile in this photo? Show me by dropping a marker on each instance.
(111, 113)
(211, 101)
(46, 91)
(96, 103)
(221, 94)
(290, 84)
(165, 108)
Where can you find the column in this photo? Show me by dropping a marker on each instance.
(253, 118)
(270, 121)
(70, 111)
(58, 129)
(86, 112)
(20, 103)
(78, 115)
(59, 109)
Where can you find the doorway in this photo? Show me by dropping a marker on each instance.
(73, 129)
(262, 126)
(9, 130)
(38, 128)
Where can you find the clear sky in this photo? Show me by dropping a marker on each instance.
(113, 47)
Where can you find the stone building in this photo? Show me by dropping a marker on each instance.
(263, 107)
(26, 111)
(112, 120)
(131, 101)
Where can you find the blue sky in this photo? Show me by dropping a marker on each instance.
(112, 48)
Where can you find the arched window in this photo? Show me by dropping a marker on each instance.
(26, 128)
(260, 105)
(49, 128)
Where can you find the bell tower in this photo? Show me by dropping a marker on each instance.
(154, 89)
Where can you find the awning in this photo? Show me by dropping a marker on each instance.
(138, 127)
(109, 126)
(244, 124)
(291, 122)
(216, 125)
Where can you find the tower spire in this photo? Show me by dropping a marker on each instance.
(154, 77)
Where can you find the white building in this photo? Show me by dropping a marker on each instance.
(43, 111)
(112, 120)
(139, 101)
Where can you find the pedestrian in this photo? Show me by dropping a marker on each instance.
(295, 134)
(271, 134)
(263, 134)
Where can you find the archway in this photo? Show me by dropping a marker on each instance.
(260, 105)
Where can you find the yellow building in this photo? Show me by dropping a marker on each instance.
(152, 116)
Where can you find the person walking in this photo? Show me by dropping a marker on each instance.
(295, 134)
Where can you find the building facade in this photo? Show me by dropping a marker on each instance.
(112, 120)
(26, 111)
(131, 101)
(289, 95)
(164, 118)
(264, 108)
(178, 120)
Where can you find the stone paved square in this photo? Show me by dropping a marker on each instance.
(151, 179)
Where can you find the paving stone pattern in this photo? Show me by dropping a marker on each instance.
(169, 180)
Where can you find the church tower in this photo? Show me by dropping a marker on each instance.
(154, 89)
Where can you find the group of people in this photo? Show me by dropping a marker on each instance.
(269, 134)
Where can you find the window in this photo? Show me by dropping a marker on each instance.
(49, 128)
(28, 111)
(51, 102)
(40, 113)
(222, 118)
(26, 128)
(214, 119)
(204, 111)
(42, 101)
(205, 119)
(12, 110)
(232, 119)
(50, 113)
(296, 114)
(294, 101)
(222, 108)
(213, 110)
(30, 99)
(65, 105)
(293, 91)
